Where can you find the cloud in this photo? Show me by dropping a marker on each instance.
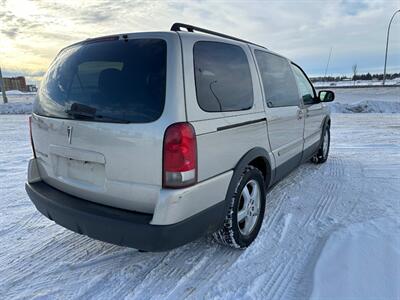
(12, 24)
(11, 32)
(34, 31)
(83, 13)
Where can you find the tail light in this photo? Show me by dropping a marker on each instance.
(30, 134)
(179, 156)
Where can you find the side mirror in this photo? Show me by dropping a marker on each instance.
(326, 96)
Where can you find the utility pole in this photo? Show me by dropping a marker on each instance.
(387, 44)
(327, 64)
(3, 88)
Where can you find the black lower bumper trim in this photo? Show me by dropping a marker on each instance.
(118, 226)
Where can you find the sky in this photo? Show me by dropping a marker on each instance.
(33, 32)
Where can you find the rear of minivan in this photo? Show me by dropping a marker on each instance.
(114, 155)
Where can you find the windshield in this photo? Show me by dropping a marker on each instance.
(116, 80)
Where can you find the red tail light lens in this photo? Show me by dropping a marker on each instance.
(30, 134)
(179, 156)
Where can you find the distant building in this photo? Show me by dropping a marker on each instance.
(15, 83)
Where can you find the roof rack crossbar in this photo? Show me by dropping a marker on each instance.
(191, 28)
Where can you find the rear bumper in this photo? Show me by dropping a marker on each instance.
(171, 206)
(118, 226)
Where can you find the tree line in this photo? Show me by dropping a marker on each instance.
(366, 76)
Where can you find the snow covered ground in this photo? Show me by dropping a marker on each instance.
(351, 248)
(358, 100)
(18, 103)
(330, 231)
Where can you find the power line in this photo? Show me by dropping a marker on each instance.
(327, 64)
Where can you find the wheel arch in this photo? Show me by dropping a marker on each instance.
(256, 157)
(325, 122)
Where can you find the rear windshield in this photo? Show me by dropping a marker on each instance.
(110, 81)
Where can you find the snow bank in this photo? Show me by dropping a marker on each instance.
(15, 108)
(18, 103)
(16, 92)
(367, 106)
(361, 261)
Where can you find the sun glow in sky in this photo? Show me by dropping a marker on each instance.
(32, 32)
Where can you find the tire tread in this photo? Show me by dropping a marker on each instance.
(225, 235)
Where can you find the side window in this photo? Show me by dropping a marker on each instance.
(306, 89)
(222, 76)
(278, 80)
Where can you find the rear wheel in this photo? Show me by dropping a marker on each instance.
(322, 155)
(246, 211)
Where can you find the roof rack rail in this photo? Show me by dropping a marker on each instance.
(191, 28)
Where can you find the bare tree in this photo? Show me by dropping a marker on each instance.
(354, 68)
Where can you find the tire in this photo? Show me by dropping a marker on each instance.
(322, 154)
(241, 234)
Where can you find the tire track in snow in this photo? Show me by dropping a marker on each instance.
(137, 268)
(277, 197)
(16, 227)
(276, 228)
(167, 268)
(279, 286)
(336, 166)
(274, 211)
(324, 203)
(203, 262)
(218, 262)
(331, 202)
(279, 281)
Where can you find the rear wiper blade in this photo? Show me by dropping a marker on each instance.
(81, 110)
(88, 112)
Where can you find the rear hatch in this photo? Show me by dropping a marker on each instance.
(97, 126)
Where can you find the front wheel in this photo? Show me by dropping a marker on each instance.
(322, 155)
(246, 211)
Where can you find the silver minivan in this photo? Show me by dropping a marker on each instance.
(151, 140)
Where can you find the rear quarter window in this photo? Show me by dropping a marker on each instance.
(222, 77)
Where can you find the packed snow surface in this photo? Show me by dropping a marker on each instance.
(322, 223)
(367, 254)
(18, 103)
(16, 108)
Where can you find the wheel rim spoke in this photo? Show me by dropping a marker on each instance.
(242, 215)
(246, 195)
(255, 193)
(248, 214)
(247, 225)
